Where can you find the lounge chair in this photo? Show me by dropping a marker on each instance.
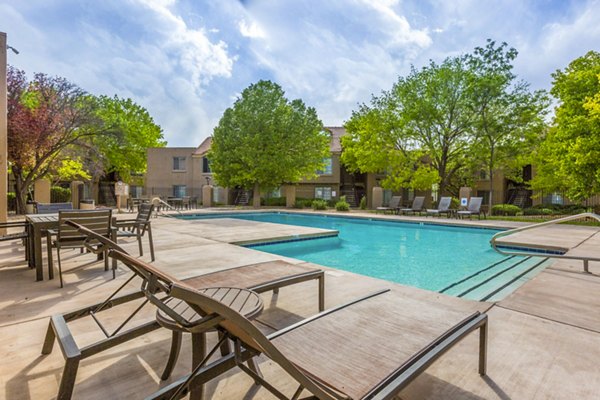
(473, 208)
(417, 206)
(67, 237)
(370, 348)
(393, 206)
(443, 207)
(138, 227)
(260, 278)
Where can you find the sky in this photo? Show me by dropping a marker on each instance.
(186, 61)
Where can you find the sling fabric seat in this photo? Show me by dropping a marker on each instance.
(260, 278)
(443, 207)
(417, 206)
(52, 208)
(393, 206)
(370, 348)
(473, 208)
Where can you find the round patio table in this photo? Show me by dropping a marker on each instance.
(244, 301)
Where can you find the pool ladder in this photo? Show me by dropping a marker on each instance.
(525, 253)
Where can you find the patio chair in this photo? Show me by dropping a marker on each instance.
(443, 207)
(393, 206)
(22, 235)
(262, 277)
(53, 208)
(417, 206)
(67, 237)
(473, 208)
(138, 227)
(370, 348)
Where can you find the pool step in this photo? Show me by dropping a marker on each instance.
(497, 280)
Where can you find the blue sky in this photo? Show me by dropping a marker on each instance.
(187, 60)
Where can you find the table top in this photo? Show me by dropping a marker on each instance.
(244, 301)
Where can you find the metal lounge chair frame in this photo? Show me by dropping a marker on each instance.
(250, 341)
(21, 235)
(58, 328)
(417, 206)
(393, 206)
(473, 208)
(443, 207)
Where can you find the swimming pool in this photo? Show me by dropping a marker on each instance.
(427, 256)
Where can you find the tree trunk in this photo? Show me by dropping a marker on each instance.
(490, 200)
(256, 196)
(20, 192)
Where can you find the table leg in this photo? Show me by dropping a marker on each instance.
(37, 253)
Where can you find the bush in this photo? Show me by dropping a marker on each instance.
(60, 195)
(505, 209)
(273, 201)
(563, 209)
(331, 202)
(303, 203)
(454, 203)
(537, 211)
(319, 204)
(342, 205)
(11, 202)
(363, 203)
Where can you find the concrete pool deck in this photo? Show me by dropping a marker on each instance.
(544, 339)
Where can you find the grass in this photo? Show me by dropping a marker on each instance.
(538, 219)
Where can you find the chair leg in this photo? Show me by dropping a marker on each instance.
(59, 268)
(105, 256)
(67, 382)
(225, 347)
(149, 230)
(50, 263)
(198, 354)
(139, 239)
(173, 355)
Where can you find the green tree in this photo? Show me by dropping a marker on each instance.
(510, 118)
(569, 157)
(430, 113)
(265, 140)
(128, 131)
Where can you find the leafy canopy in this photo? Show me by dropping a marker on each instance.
(266, 140)
(569, 158)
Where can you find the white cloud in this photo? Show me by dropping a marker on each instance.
(251, 30)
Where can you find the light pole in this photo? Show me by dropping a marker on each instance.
(3, 133)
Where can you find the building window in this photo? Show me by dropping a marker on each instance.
(435, 189)
(205, 165)
(327, 170)
(178, 163)
(179, 190)
(136, 191)
(554, 198)
(323, 193)
(483, 175)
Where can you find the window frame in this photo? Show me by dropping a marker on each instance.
(179, 162)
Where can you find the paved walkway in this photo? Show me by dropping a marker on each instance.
(544, 338)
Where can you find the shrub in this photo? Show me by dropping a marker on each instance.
(60, 195)
(273, 201)
(319, 204)
(11, 202)
(454, 203)
(537, 211)
(299, 204)
(342, 205)
(505, 209)
(363, 203)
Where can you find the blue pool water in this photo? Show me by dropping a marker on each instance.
(423, 255)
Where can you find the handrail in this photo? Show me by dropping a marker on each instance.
(164, 203)
(586, 260)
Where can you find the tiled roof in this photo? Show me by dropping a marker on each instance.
(335, 146)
